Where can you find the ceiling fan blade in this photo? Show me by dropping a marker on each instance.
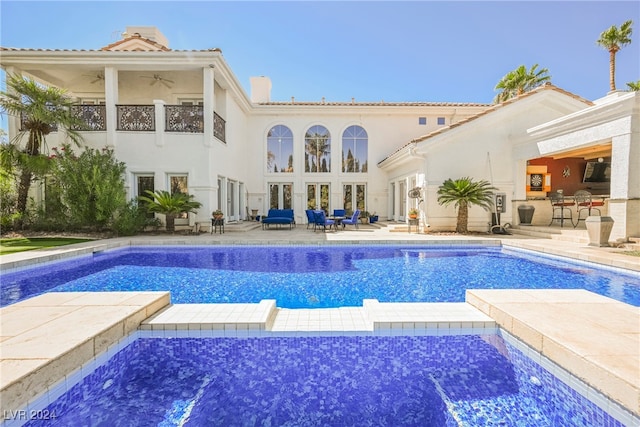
(153, 82)
(164, 82)
(167, 80)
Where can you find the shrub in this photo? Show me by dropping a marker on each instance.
(129, 220)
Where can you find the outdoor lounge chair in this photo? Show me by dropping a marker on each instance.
(353, 220)
(322, 221)
(311, 219)
(339, 212)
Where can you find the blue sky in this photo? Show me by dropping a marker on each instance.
(423, 51)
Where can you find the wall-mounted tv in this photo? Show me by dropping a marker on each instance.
(597, 172)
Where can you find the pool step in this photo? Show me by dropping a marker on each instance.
(565, 234)
(264, 319)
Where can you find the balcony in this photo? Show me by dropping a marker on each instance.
(141, 118)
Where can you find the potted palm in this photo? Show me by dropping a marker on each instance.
(364, 217)
(463, 193)
(171, 205)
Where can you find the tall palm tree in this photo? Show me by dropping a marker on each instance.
(613, 39)
(519, 81)
(42, 110)
(465, 192)
(633, 86)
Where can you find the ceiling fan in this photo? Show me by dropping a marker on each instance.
(96, 77)
(158, 78)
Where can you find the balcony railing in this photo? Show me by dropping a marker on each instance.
(136, 117)
(219, 126)
(141, 118)
(94, 116)
(184, 118)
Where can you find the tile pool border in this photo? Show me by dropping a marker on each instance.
(40, 403)
(547, 247)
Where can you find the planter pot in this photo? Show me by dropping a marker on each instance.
(599, 230)
(525, 214)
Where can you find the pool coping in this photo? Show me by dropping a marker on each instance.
(41, 340)
(570, 250)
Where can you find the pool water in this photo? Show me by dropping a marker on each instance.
(473, 380)
(315, 276)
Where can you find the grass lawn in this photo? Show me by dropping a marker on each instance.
(9, 246)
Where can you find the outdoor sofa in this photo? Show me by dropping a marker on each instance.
(278, 217)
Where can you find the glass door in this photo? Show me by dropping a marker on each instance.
(280, 196)
(354, 197)
(318, 196)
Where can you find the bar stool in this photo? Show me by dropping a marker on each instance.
(585, 202)
(559, 204)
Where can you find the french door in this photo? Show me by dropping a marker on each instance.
(280, 195)
(318, 196)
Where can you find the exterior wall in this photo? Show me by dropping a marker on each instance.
(482, 149)
(388, 128)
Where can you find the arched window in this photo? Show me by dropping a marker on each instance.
(355, 145)
(317, 149)
(280, 150)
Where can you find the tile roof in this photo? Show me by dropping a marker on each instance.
(136, 37)
(374, 104)
(494, 107)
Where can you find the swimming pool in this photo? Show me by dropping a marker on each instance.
(357, 380)
(315, 276)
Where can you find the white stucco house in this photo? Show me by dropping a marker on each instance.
(181, 121)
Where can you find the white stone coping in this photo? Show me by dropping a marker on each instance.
(595, 338)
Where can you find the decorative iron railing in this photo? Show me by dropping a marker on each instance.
(23, 123)
(178, 118)
(94, 116)
(136, 117)
(219, 126)
(184, 118)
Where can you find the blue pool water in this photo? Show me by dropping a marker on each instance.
(322, 381)
(315, 276)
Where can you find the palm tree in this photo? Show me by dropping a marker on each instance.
(171, 205)
(464, 192)
(519, 81)
(614, 39)
(42, 110)
(634, 86)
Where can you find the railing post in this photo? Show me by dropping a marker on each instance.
(160, 123)
(209, 104)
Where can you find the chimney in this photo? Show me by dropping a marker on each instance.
(151, 33)
(260, 89)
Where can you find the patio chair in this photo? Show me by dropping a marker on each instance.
(339, 212)
(353, 220)
(585, 202)
(322, 221)
(559, 205)
(311, 219)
